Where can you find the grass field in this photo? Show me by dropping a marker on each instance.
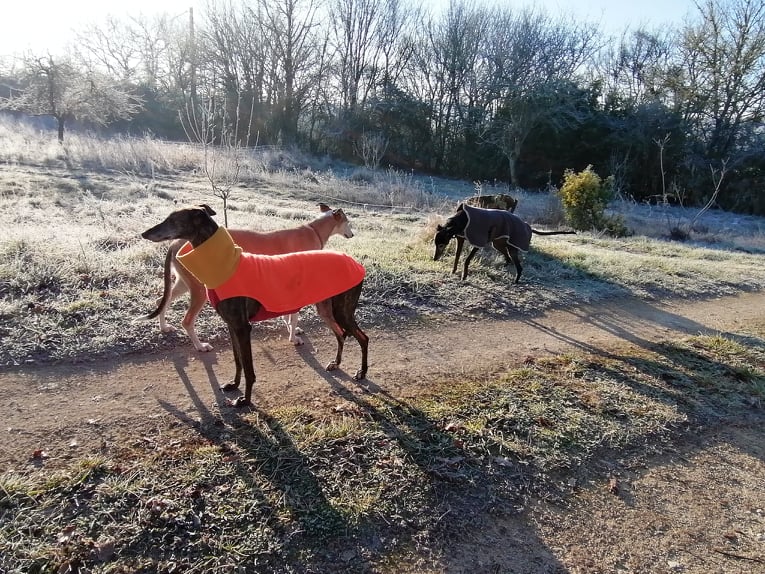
(73, 267)
(364, 490)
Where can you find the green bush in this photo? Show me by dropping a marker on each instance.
(584, 196)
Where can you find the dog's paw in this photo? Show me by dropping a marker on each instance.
(167, 329)
(240, 402)
(332, 366)
(360, 375)
(203, 347)
(297, 331)
(297, 341)
(230, 386)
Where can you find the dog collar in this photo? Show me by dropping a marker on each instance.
(214, 261)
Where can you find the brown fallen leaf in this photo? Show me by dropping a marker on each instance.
(104, 550)
(39, 454)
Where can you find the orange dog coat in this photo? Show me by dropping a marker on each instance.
(282, 284)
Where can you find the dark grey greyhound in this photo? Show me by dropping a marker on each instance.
(195, 225)
(506, 232)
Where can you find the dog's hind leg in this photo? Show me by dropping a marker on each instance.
(178, 289)
(339, 314)
(170, 292)
(197, 299)
(348, 322)
(324, 310)
(517, 260)
(353, 328)
(511, 255)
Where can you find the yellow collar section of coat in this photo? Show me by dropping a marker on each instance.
(215, 261)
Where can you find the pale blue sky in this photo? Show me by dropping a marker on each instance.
(615, 15)
(43, 25)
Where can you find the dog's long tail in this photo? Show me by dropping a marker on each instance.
(175, 246)
(553, 232)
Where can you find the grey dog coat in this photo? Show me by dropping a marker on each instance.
(486, 225)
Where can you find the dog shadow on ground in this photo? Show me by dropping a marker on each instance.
(262, 453)
(208, 419)
(270, 456)
(457, 480)
(340, 380)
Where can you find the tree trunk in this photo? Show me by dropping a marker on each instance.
(61, 122)
(512, 160)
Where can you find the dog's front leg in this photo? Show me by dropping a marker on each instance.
(460, 243)
(234, 383)
(236, 311)
(324, 310)
(242, 344)
(467, 262)
(292, 328)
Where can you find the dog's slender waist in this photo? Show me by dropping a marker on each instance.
(285, 283)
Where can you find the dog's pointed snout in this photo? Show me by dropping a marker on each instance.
(147, 234)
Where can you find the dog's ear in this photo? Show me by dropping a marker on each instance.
(461, 207)
(324, 207)
(209, 210)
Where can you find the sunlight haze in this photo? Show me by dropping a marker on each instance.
(49, 25)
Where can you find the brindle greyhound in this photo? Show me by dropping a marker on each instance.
(313, 235)
(455, 227)
(499, 201)
(195, 225)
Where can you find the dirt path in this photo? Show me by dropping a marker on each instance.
(699, 510)
(69, 410)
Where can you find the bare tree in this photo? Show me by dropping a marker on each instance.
(530, 76)
(682, 230)
(554, 103)
(110, 47)
(635, 70)
(723, 72)
(446, 66)
(397, 36)
(208, 123)
(154, 52)
(355, 26)
(290, 27)
(236, 64)
(371, 148)
(65, 91)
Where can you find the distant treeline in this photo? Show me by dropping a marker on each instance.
(486, 93)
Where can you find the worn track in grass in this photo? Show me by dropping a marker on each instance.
(70, 410)
(662, 519)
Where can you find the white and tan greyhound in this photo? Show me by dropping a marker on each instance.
(308, 237)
